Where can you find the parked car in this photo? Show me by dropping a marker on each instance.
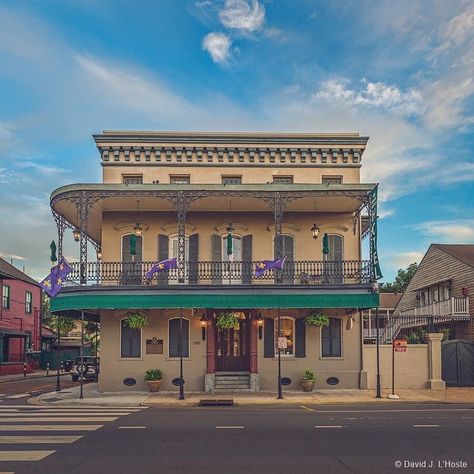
(89, 370)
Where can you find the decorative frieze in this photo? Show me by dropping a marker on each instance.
(248, 155)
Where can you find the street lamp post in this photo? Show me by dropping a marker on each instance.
(280, 394)
(181, 379)
(58, 381)
(379, 392)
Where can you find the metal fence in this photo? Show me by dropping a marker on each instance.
(309, 272)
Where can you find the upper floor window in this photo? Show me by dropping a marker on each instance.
(283, 179)
(130, 341)
(132, 179)
(287, 330)
(331, 339)
(6, 296)
(180, 179)
(231, 179)
(28, 302)
(175, 342)
(331, 179)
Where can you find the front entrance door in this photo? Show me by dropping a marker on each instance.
(233, 346)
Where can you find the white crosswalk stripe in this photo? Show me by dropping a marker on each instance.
(24, 427)
(20, 395)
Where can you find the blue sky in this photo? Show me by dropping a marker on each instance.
(400, 72)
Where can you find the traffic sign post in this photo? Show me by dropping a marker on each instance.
(398, 345)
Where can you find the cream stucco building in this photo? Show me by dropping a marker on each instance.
(297, 196)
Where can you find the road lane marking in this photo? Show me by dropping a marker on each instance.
(425, 426)
(20, 395)
(230, 427)
(328, 426)
(59, 413)
(59, 418)
(50, 427)
(132, 427)
(24, 455)
(306, 408)
(38, 439)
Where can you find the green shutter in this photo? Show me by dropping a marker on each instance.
(216, 267)
(193, 258)
(300, 338)
(269, 338)
(247, 259)
(163, 254)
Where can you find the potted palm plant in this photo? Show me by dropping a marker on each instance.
(154, 377)
(316, 319)
(307, 381)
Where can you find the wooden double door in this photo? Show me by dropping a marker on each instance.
(233, 346)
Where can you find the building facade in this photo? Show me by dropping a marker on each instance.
(221, 204)
(20, 319)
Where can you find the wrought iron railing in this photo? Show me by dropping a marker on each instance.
(300, 272)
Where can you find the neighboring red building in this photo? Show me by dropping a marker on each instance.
(20, 319)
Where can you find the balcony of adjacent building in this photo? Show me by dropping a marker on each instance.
(452, 306)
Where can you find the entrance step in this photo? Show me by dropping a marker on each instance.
(232, 381)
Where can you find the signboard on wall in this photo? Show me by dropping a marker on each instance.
(154, 346)
(400, 345)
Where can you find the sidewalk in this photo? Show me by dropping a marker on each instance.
(31, 375)
(169, 399)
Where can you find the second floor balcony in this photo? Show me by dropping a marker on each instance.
(447, 307)
(301, 272)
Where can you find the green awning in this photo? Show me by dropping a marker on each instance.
(94, 301)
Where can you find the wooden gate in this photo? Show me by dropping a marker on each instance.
(458, 363)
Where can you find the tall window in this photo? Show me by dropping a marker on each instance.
(173, 340)
(331, 339)
(287, 330)
(231, 179)
(6, 296)
(180, 179)
(132, 179)
(130, 341)
(28, 302)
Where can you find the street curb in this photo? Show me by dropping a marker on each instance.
(31, 377)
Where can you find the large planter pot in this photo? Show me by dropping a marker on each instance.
(307, 385)
(154, 385)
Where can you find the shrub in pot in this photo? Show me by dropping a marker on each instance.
(227, 321)
(307, 381)
(136, 320)
(316, 319)
(154, 378)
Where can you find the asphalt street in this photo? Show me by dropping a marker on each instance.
(291, 439)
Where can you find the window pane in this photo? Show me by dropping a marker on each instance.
(179, 179)
(283, 179)
(231, 179)
(331, 180)
(130, 341)
(331, 338)
(132, 179)
(173, 348)
(288, 331)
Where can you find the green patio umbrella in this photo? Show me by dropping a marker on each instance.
(53, 252)
(133, 244)
(325, 244)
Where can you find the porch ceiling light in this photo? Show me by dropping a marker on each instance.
(77, 234)
(99, 254)
(315, 231)
(230, 229)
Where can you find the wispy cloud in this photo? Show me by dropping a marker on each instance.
(449, 231)
(243, 15)
(373, 94)
(402, 260)
(218, 46)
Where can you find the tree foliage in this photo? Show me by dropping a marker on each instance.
(402, 280)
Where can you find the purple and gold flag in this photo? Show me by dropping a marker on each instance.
(53, 283)
(265, 265)
(160, 266)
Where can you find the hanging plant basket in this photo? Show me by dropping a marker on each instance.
(227, 321)
(316, 319)
(136, 320)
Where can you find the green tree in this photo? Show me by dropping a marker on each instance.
(402, 280)
(53, 321)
